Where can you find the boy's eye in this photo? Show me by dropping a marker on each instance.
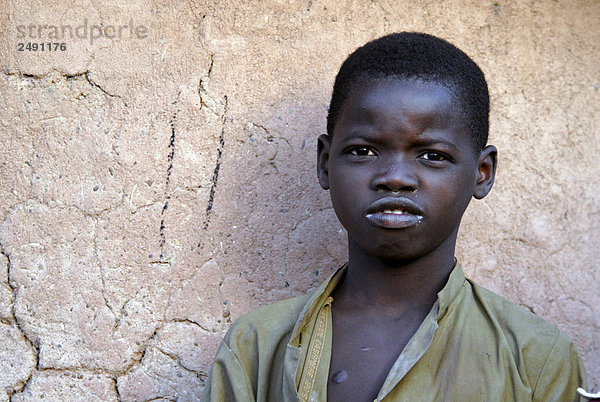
(434, 156)
(361, 151)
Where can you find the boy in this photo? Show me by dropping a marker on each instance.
(404, 154)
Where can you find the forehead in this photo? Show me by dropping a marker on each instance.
(436, 93)
(414, 100)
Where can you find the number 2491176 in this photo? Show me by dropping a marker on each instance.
(41, 47)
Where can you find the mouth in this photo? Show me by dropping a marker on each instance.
(394, 213)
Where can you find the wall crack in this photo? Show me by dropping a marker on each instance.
(19, 386)
(170, 158)
(215, 176)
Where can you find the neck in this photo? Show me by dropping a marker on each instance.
(395, 286)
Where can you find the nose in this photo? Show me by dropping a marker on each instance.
(396, 175)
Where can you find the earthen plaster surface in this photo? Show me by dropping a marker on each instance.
(156, 186)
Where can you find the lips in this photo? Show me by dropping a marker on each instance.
(394, 213)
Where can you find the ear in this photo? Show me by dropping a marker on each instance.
(323, 146)
(486, 171)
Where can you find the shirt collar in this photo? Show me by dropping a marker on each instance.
(315, 302)
(456, 281)
(450, 291)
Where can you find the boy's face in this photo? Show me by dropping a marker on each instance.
(401, 168)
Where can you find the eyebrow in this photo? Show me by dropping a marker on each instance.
(423, 141)
(360, 135)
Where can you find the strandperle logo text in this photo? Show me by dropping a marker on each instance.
(82, 31)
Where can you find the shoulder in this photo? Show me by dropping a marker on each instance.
(278, 316)
(519, 321)
(255, 343)
(266, 325)
(545, 354)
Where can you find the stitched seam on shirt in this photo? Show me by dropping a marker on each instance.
(545, 363)
(248, 384)
(308, 348)
(315, 352)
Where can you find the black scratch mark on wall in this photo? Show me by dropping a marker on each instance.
(170, 158)
(215, 178)
(202, 82)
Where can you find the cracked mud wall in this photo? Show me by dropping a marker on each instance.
(156, 186)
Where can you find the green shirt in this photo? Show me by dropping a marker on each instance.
(473, 346)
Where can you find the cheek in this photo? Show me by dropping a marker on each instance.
(345, 191)
(341, 179)
(450, 191)
(341, 195)
(458, 197)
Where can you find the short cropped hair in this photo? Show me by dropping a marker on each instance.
(412, 55)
